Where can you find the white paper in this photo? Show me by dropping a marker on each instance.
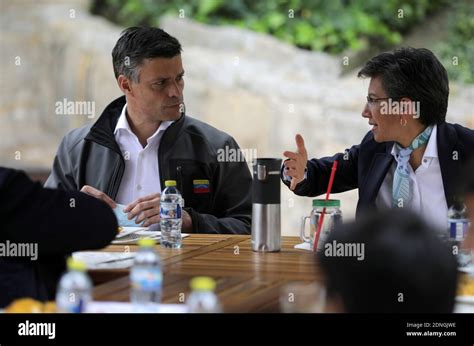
(95, 259)
(468, 269)
(304, 246)
(127, 307)
(464, 304)
(129, 230)
(132, 238)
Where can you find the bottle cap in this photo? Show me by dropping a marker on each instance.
(203, 283)
(73, 264)
(329, 203)
(146, 242)
(170, 183)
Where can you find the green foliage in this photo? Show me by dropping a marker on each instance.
(326, 25)
(333, 26)
(457, 53)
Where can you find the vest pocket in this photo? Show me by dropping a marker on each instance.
(193, 179)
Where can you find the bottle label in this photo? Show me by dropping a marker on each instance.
(458, 229)
(170, 211)
(146, 279)
(72, 303)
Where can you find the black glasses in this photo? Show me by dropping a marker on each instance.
(371, 100)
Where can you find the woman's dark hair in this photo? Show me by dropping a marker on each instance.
(405, 266)
(414, 73)
(138, 43)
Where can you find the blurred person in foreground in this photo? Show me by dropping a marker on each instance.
(405, 267)
(40, 228)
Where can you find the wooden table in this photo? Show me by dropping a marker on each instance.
(247, 281)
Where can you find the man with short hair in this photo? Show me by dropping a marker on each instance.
(410, 157)
(144, 138)
(406, 268)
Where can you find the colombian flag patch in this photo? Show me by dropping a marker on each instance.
(201, 186)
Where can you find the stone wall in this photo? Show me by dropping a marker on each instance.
(50, 51)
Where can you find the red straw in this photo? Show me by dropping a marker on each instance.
(328, 192)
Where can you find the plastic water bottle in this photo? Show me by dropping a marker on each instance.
(458, 225)
(146, 278)
(202, 298)
(170, 216)
(74, 290)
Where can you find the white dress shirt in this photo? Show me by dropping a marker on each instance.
(428, 199)
(141, 176)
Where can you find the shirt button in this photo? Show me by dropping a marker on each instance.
(139, 187)
(425, 160)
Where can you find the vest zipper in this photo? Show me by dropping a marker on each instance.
(179, 178)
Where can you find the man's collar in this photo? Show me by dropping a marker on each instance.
(432, 146)
(122, 124)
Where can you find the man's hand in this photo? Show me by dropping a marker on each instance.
(187, 224)
(296, 165)
(91, 191)
(146, 209)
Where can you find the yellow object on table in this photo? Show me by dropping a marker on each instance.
(28, 305)
(466, 286)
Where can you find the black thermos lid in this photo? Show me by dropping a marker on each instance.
(266, 181)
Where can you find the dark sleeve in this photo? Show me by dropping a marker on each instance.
(58, 221)
(61, 176)
(319, 172)
(233, 196)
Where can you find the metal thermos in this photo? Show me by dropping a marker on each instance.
(266, 229)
